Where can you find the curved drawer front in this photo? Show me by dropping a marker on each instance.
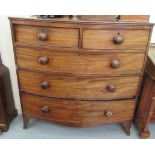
(84, 63)
(62, 37)
(115, 39)
(78, 113)
(93, 88)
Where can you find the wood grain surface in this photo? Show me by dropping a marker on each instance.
(80, 63)
(55, 36)
(103, 39)
(78, 113)
(134, 17)
(78, 87)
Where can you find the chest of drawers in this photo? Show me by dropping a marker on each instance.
(79, 73)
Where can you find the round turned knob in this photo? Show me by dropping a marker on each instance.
(45, 109)
(42, 36)
(43, 60)
(115, 64)
(44, 84)
(118, 39)
(108, 113)
(111, 88)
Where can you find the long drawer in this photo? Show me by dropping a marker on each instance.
(115, 39)
(78, 87)
(78, 113)
(62, 37)
(105, 63)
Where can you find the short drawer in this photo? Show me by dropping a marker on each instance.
(108, 63)
(78, 113)
(115, 39)
(62, 37)
(78, 87)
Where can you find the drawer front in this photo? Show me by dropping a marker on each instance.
(78, 113)
(115, 39)
(62, 37)
(78, 87)
(83, 63)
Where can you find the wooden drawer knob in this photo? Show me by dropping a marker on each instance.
(108, 113)
(118, 39)
(115, 63)
(111, 88)
(42, 36)
(44, 84)
(45, 109)
(43, 60)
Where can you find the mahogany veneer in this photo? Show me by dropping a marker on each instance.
(78, 87)
(80, 73)
(78, 113)
(78, 62)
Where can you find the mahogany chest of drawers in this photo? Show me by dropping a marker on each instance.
(79, 73)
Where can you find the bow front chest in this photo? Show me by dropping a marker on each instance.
(79, 73)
